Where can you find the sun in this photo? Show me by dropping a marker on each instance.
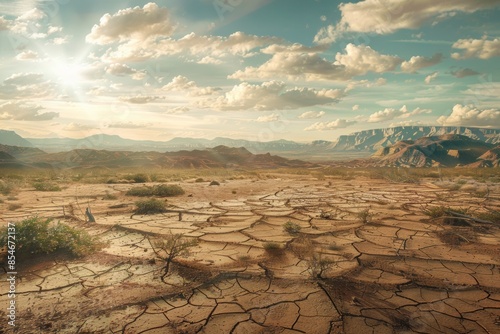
(68, 74)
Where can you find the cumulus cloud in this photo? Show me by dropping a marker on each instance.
(177, 110)
(136, 24)
(20, 111)
(431, 77)
(272, 95)
(464, 72)
(417, 62)
(477, 48)
(357, 60)
(77, 127)
(268, 118)
(468, 115)
(127, 125)
(179, 83)
(209, 60)
(139, 99)
(124, 70)
(366, 84)
(390, 113)
(355, 107)
(337, 124)
(28, 55)
(25, 86)
(388, 16)
(312, 114)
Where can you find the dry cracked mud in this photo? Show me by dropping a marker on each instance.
(392, 272)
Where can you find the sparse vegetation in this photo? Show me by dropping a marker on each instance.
(13, 206)
(46, 186)
(5, 187)
(150, 206)
(291, 228)
(317, 265)
(198, 180)
(36, 235)
(138, 178)
(169, 248)
(12, 198)
(273, 248)
(109, 196)
(162, 190)
(214, 183)
(365, 216)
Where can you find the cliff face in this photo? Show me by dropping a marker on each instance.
(372, 140)
(446, 150)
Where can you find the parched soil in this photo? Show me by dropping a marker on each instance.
(392, 270)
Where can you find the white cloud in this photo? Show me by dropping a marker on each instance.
(177, 110)
(477, 48)
(431, 77)
(357, 60)
(417, 62)
(388, 16)
(272, 95)
(268, 118)
(128, 125)
(139, 99)
(390, 113)
(210, 60)
(337, 124)
(28, 55)
(355, 107)
(124, 70)
(312, 114)
(21, 111)
(366, 84)
(179, 83)
(78, 127)
(470, 116)
(132, 24)
(25, 86)
(323, 18)
(463, 72)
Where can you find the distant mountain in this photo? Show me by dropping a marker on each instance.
(217, 157)
(448, 150)
(22, 153)
(356, 145)
(372, 140)
(13, 139)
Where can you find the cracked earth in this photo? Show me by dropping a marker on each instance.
(391, 273)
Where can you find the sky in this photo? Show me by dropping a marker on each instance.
(261, 70)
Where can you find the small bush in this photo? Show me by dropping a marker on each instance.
(38, 236)
(45, 186)
(109, 196)
(164, 190)
(5, 188)
(12, 198)
(140, 191)
(14, 207)
(198, 180)
(273, 248)
(291, 228)
(150, 206)
(365, 216)
(214, 183)
(138, 178)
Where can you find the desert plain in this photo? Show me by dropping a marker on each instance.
(367, 254)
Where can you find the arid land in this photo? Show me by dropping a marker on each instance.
(371, 255)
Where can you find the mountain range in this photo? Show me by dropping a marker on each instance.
(450, 150)
(356, 145)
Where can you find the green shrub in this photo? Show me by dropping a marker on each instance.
(5, 187)
(138, 178)
(273, 248)
(38, 236)
(198, 180)
(365, 216)
(165, 190)
(14, 206)
(162, 190)
(150, 206)
(291, 228)
(140, 191)
(45, 186)
(109, 196)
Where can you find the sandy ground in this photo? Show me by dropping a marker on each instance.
(390, 274)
